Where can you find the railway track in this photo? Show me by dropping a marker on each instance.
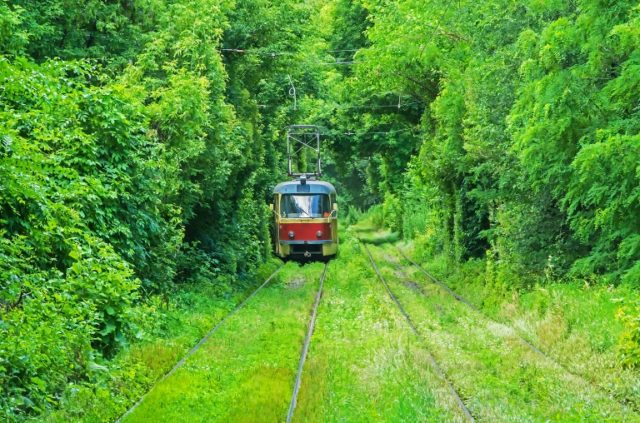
(305, 346)
(197, 346)
(432, 360)
(405, 304)
(623, 402)
(214, 329)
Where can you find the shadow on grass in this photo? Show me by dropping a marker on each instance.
(364, 229)
(380, 238)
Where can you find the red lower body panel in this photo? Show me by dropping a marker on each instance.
(305, 231)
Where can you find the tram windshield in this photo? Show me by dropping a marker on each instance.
(305, 205)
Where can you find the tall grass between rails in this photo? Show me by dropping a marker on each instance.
(364, 363)
(575, 322)
(167, 331)
(503, 379)
(589, 327)
(245, 371)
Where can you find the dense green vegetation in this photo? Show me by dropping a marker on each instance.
(139, 140)
(486, 361)
(515, 137)
(571, 322)
(366, 364)
(133, 158)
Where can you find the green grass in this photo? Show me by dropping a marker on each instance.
(364, 363)
(245, 371)
(575, 323)
(168, 334)
(368, 233)
(502, 378)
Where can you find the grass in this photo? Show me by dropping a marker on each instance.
(364, 363)
(369, 234)
(169, 334)
(245, 371)
(575, 323)
(502, 379)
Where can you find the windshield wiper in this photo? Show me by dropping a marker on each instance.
(305, 212)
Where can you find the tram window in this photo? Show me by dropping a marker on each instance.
(309, 205)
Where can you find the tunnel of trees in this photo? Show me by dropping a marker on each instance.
(140, 141)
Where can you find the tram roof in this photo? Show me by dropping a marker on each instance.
(311, 187)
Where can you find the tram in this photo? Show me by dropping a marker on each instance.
(306, 219)
(305, 209)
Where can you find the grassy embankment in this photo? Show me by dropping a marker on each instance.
(364, 363)
(572, 321)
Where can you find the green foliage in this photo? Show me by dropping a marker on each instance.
(67, 286)
(528, 149)
(12, 38)
(133, 157)
(629, 315)
(139, 141)
(375, 215)
(109, 31)
(392, 212)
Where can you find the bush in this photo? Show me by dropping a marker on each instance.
(375, 215)
(630, 340)
(52, 331)
(351, 215)
(119, 140)
(392, 212)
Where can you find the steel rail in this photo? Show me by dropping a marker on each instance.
(199, 344)
(432, 360)
(522, 339)
(305, 347)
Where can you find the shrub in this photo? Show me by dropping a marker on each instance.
(58, 322)
(392, 212)
(630, 340)
(376, 216)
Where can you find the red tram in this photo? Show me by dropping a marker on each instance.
(306, 219)
(305, 209)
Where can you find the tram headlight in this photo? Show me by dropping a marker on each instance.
(291, 234)
(319, 234)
